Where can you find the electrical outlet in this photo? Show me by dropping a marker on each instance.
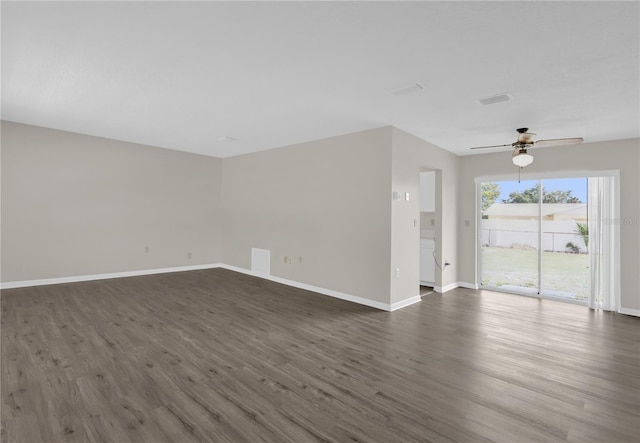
(397, 272)
(146, 249)
(300, 259)
(189, 255)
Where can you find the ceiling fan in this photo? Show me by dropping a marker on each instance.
(525, 140)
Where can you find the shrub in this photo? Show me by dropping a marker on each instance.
(573, 249)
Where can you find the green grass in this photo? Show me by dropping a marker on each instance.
(568, 273)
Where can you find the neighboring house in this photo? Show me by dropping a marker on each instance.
(530, 211)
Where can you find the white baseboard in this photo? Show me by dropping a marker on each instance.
(404, 303)
(79, 278)
(442, 289)
(627, 311)
(464, 284)
(458, 284)
(329, 292)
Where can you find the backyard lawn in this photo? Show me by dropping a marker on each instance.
(565, 275)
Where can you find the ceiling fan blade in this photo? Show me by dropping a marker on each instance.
(526, 137)
(495, 146)
(559, 141)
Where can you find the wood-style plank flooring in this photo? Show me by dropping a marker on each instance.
(218, 356)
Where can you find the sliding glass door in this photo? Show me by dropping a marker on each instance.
(510, 236)
(534, 238)
(565, 239)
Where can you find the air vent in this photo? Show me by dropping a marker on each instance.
(495, 99)
(416, 87)
(227, 139)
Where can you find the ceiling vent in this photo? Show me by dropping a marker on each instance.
(416, 87)
(495, 99)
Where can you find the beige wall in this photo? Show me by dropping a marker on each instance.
(405, 222)
(620, 155)
(78, 205)
(328, 201)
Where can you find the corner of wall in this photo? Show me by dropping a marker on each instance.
(324, 203)
(411, 155)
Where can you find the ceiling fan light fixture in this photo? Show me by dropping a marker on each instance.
(521, 158)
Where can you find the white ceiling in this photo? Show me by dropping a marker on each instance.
(182, 75)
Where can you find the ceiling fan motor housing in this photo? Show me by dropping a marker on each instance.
(519, 150)
(525, 138)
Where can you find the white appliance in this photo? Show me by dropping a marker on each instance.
(427, 261)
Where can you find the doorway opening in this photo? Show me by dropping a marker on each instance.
(430, 215)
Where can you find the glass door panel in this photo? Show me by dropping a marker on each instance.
(565, 239)
(510, 235)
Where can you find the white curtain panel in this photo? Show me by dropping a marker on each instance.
(602, 219)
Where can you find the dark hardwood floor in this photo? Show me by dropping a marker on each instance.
(218, 356)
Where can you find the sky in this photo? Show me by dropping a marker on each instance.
(578, 187)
